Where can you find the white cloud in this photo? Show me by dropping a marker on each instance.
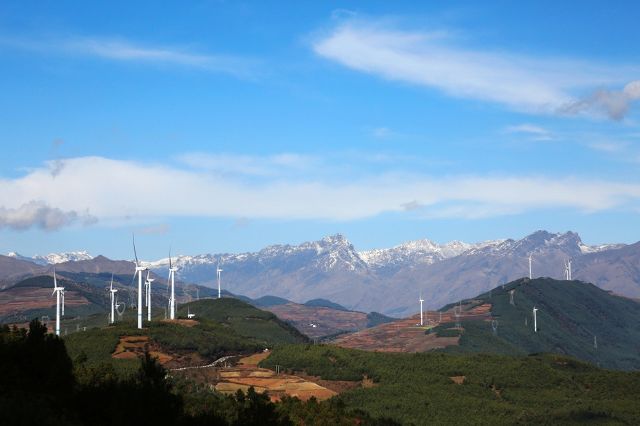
(382, 133)
(248, 165)
(534, 132)
(114, 189)
(40, 215)
(608, 146)
(119, 49)
(159, 229)
(536, 85)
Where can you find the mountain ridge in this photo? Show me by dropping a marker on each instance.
(388, 280)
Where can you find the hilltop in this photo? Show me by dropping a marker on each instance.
(574, 318)
(220, 327)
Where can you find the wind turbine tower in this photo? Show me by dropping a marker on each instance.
(530, 270)
(139, 270)
(567, 269)
(421, 300)
(148, 282)
(59, 292)
(113, 292)
(172, 297)
(535, 319)
(219, 272)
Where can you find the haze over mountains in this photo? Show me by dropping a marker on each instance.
(389, 280)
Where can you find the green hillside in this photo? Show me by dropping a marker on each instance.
(222, 327)
(419, 388)
(244, 319)
(574, 318)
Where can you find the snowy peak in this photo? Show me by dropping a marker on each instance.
(585, 249)
(54, 258)
(18, 256)
(71, 256)
(329, 253)
(542, 241)
(419, 252)
(336, 253)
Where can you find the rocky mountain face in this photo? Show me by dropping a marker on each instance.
(390, 280)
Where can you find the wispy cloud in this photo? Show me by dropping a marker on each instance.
(531, 130)
(431, 59)
(249, 165)
(110, 189)
(123, 50)
(608, 146)
(159, 229)
(382, 133)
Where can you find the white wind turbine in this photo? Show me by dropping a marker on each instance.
(535, 319)
(112, 292)
(138, 272)
(219, 273)
(148, 282)
(59, 292)
(172, 296)
(567, 269)
(530, 269)
(421, 300)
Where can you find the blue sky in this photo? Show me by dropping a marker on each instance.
(228, 126)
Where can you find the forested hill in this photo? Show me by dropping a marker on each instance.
(573, 318)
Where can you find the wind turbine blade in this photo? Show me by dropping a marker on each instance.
(135, 253)
(170, 257)
(55, 281)
(111, 287)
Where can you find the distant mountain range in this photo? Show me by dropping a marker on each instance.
(53, 258)
(387, 280)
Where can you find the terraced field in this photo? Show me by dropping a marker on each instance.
(407, 335)
(246, 373)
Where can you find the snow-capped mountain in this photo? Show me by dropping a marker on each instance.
(386, 279)
(390, 280)
(332, 253)
(417, 252)
(54, 258)
(336, 252)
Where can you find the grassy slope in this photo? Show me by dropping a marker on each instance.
(416, 388)
(570, 314)
(225, 326)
